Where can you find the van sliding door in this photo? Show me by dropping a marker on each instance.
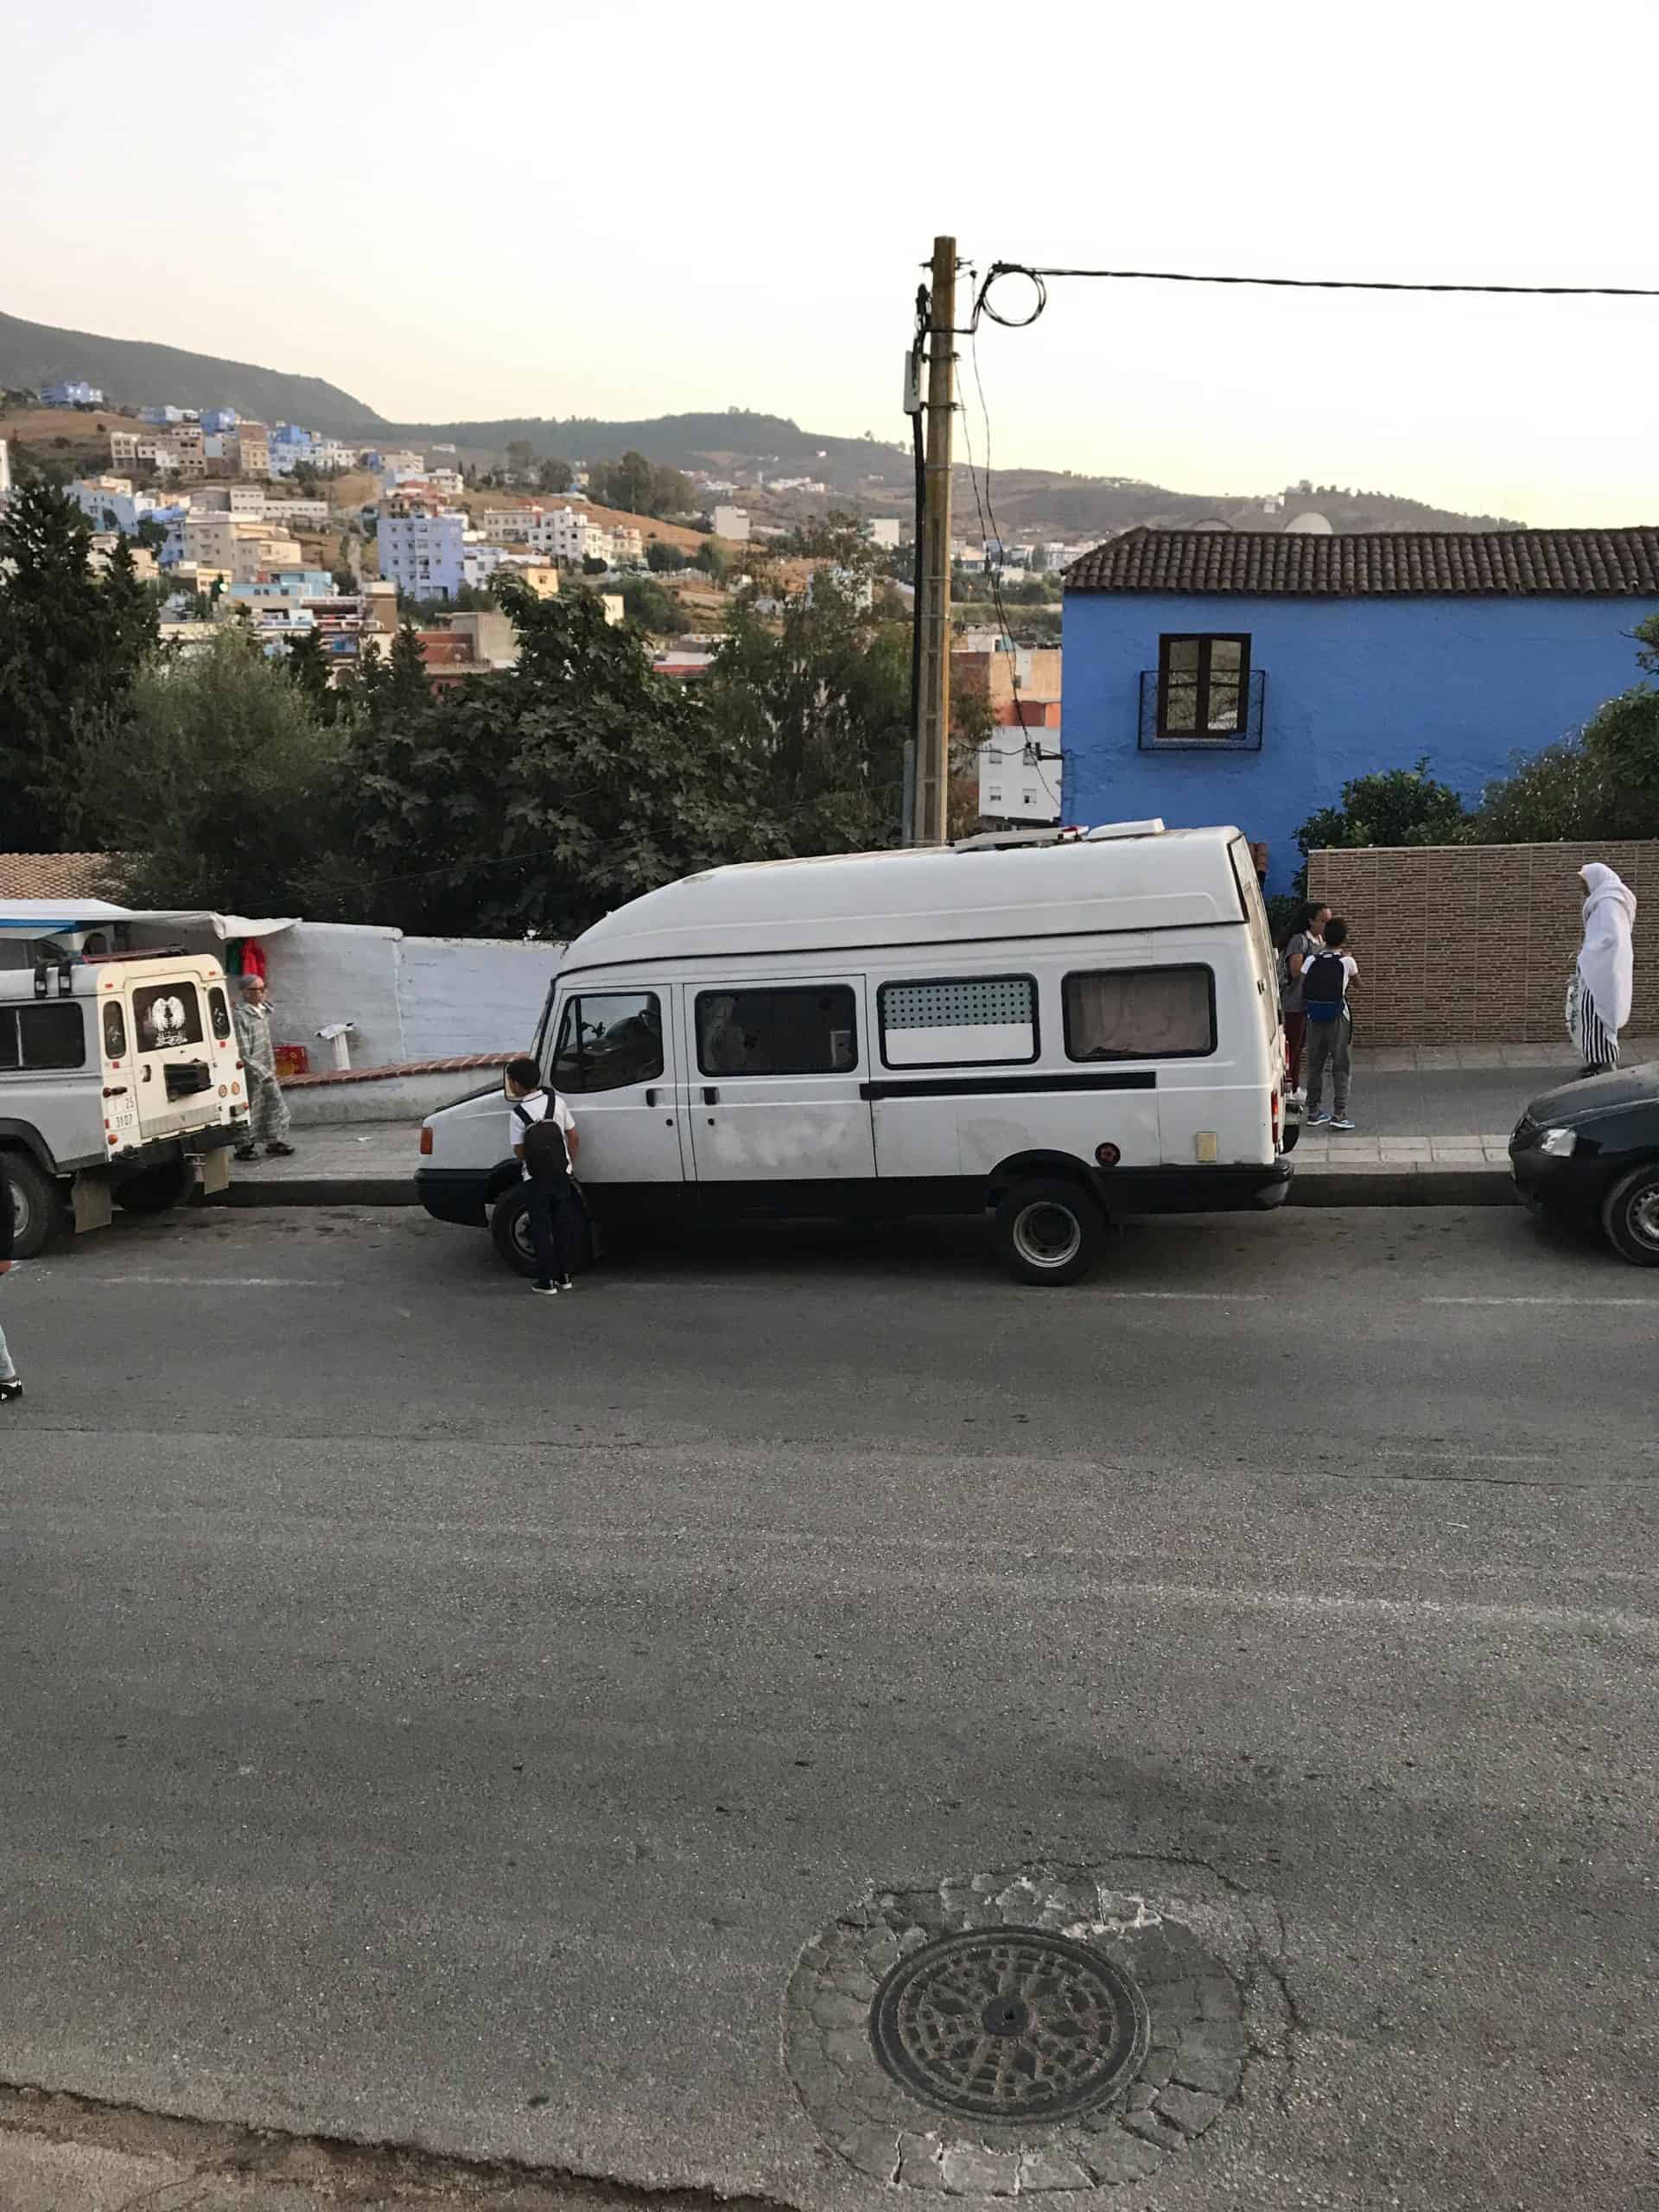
(774, 1086)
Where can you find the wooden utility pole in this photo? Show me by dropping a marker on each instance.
(933, 717)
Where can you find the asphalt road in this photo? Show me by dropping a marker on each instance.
(437, 1715)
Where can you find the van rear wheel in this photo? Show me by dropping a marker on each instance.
(156, 1190)
(37, 1208)
(1049, 1232)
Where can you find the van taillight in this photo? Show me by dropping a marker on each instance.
(426, 1144)
(1276, 1121)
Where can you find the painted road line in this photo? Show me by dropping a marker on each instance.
(1564, 1298)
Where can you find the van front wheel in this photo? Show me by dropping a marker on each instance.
(1049, 1232)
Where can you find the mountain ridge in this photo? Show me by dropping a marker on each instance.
(867, 470)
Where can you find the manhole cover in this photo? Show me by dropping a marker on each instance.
(1010, 2027)
(1030, 2027)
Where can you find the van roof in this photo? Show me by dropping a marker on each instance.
(88, 977)
(939, 894)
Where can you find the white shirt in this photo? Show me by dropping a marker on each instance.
(538, 1105)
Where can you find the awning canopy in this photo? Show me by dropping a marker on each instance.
(32, 918)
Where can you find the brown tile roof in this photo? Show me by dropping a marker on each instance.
(55, 875)
(1611, 563)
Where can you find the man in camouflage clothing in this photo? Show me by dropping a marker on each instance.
(268, 1120)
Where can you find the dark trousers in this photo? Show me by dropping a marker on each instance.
(552, 1208)
(1295, 1038)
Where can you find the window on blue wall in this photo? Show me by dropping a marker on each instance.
(1204, 684)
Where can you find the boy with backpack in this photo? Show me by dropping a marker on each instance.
(1325, 978)
(544, 1141)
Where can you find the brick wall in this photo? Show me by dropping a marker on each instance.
(1472, 945)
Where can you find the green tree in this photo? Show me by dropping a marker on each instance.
(535, 799)
(1399, 806)
(1601, 782)
(225, 789)
(521, 458)
(554, 475)
(821, 709)
(713, 559)
(638, 487)
(645, 602)
(70, 644)
(307, 668)
(664, 559)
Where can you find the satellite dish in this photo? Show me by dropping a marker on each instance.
(1310, 524)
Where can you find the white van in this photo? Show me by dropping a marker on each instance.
(120, 1081)
(1057, 1027)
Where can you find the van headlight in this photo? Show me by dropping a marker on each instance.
(1559, 1144)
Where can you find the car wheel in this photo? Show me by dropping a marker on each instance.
(37, 1208)
(1049, 1232)
(156, 1190)
(509, 1226)
(1630, 1214)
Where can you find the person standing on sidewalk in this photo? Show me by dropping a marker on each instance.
(1603, 985)
(10, 1387)
(268, 1120)
(1325, 978)
(545, 1143)
(1305, 939)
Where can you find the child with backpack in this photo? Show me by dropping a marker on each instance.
(1325, 978)
(544, 1141)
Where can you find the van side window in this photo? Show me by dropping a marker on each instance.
(115, 1030)
(608, 1040)
(1139, 1013)
(218, 1013)
(50, 1036)
(947, 1022)
(808, 1030)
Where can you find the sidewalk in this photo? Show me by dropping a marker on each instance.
(1435, 1126)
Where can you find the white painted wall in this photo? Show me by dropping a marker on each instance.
(471, 994)
(412, 998)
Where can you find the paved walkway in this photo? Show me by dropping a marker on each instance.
(1433, 1126)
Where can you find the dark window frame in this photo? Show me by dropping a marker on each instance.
(13, 1018)
(1203, 732)
(772, 990)
(910, 982)
(574, 1001)
(1162, 967)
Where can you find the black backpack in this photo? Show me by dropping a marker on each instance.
(546, 1154)
(1323, 978)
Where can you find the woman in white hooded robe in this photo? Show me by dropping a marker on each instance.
(1598, 997)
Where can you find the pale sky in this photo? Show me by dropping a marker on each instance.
(640, 208)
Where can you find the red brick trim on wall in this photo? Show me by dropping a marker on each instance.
(1473, 944)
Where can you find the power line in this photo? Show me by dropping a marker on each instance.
(1037, 277)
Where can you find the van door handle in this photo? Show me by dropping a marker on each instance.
(651, 1096)
(711, 1095)
(115, 1091)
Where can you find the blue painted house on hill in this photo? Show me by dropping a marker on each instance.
(1244, 677)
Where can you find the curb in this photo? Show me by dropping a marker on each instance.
(321, 1191)
(1403, 1186)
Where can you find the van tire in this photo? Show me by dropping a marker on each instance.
(511, 1229)
(511, 1233)
(1049, 1232)
(38, 1211)
(156, 1190)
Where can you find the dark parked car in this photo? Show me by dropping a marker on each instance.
(1590, 1151)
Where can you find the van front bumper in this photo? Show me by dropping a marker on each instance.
(456, 1194)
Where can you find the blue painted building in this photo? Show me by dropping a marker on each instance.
(1221, 676)
(72, 392)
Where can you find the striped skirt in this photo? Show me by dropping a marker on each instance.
(1597, 1045)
